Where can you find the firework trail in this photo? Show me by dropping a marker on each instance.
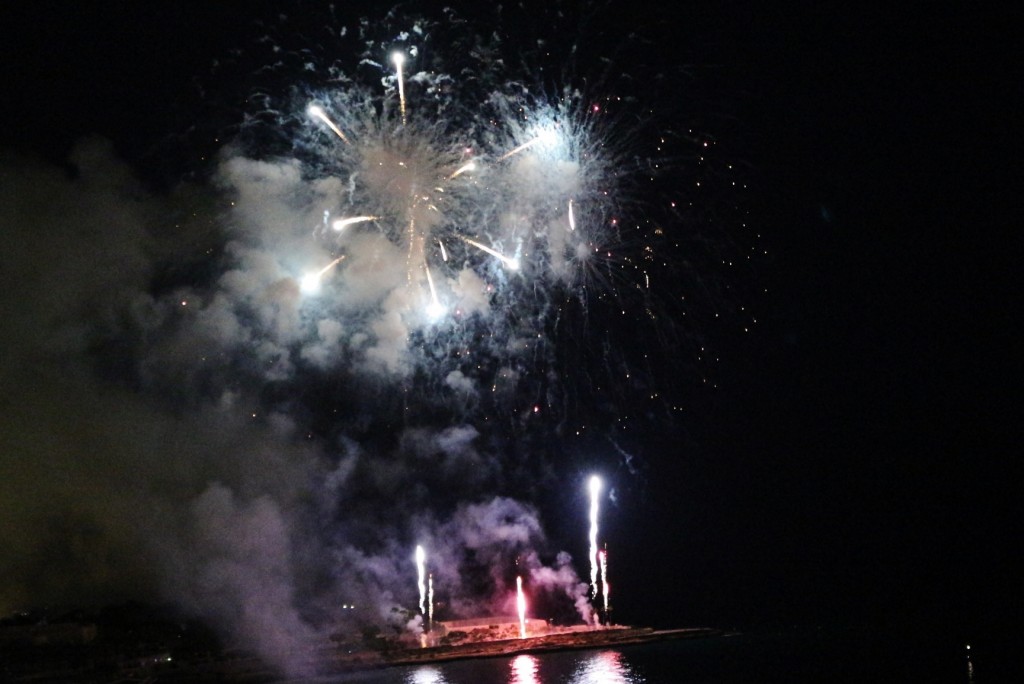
(310, 283)
(604, 581)
(430, 601)
(421, 559)
(595, 490)
(521, 606)
(399, 59)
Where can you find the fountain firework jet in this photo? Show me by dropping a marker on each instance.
(595, 489)
(421, 560)
(604, 580)
(430, 601)
(521, 606)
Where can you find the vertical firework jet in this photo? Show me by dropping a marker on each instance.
(430, 602)
(604, 580)
(521, 606)
(421, 560)
(595, 489)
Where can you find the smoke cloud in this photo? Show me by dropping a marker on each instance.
(180, 421)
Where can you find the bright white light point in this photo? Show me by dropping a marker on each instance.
(435, 310)
(398, 58)
(317, 112)
(468, 166)
(513, 264)
(341, 224)
(310, 283)
(548, 136)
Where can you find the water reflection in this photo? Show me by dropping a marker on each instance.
(605, 667)
(524, 670)
(426, 675)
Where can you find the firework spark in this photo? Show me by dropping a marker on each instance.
(340, 224)
(310, 283)
(318, 112)
(510, 262)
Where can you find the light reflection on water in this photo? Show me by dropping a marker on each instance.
(604, 667)
(524, 670)
(427, 674)
(594, 667)
(795, 657)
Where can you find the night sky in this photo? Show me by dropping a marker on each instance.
(847, 458)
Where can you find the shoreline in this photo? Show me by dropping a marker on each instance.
(87, 663)
(560, 641)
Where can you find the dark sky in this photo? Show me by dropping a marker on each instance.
(855, 462)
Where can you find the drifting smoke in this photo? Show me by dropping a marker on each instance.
(156, 443)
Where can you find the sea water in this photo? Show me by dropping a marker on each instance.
(806, 655)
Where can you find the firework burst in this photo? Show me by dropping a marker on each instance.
(516, 200)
